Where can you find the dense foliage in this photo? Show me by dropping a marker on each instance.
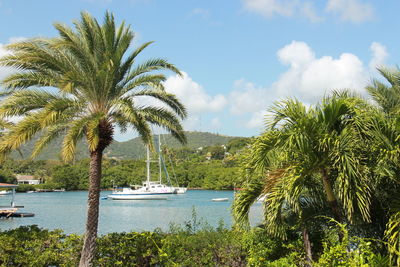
(338, 159)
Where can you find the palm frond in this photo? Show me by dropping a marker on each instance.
(47, 137)
(243, 201)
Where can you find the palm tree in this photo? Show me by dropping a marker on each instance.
(307, 153)
(384, 131)
(87, 82)
(387, 95)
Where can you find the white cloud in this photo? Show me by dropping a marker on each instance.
(257, 119)
(192, 123)
(296, 54)
(4, 71)
(307, 78)
(351, 10)
(308, 11)
(355, 11)
(247, 97)
(286, 8)
(215, 123)
(269, 8)
(193, 95)
(379, 55)
(310, 77)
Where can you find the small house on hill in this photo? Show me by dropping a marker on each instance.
(27, 179)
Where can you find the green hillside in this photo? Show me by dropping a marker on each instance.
(131, 149)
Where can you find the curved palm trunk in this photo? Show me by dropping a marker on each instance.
(332, 202)
(89, 243)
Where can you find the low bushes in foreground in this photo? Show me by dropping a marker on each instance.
(181, 246)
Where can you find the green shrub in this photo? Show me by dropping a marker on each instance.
(206, 247)
(22, 188)
(129, 249)
(348, 251)
(32, 246)
(48, 186)
(190, 245)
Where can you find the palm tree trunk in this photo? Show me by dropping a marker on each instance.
(332, 202)
(89, 243)
(307, 246)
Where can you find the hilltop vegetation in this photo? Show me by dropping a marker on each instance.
(211, 167)
(131, 149)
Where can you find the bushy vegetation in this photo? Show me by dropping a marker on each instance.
(188, 245)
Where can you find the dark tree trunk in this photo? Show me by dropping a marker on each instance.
(89, 243)
(307, 246)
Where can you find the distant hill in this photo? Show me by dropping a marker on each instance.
(131, 149)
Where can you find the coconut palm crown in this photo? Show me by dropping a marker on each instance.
(82, 84)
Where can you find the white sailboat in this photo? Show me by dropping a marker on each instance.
(150, 190)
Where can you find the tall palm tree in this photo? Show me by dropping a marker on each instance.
(308, 153)
(98, 86)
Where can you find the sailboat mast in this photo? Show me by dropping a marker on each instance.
(159, 158)
(148, 165)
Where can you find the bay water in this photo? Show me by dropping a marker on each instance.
(67, 211)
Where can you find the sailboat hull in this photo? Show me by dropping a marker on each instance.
(137, 197)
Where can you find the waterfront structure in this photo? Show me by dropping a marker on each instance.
(27, 179)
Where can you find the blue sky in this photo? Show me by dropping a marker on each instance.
(238, 56)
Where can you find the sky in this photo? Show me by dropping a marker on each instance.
(238, 57)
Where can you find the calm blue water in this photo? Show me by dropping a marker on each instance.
(67, 211)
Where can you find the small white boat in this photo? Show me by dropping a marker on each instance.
(3, 193)
(181, 190)
(222, 199)
(59, 190)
